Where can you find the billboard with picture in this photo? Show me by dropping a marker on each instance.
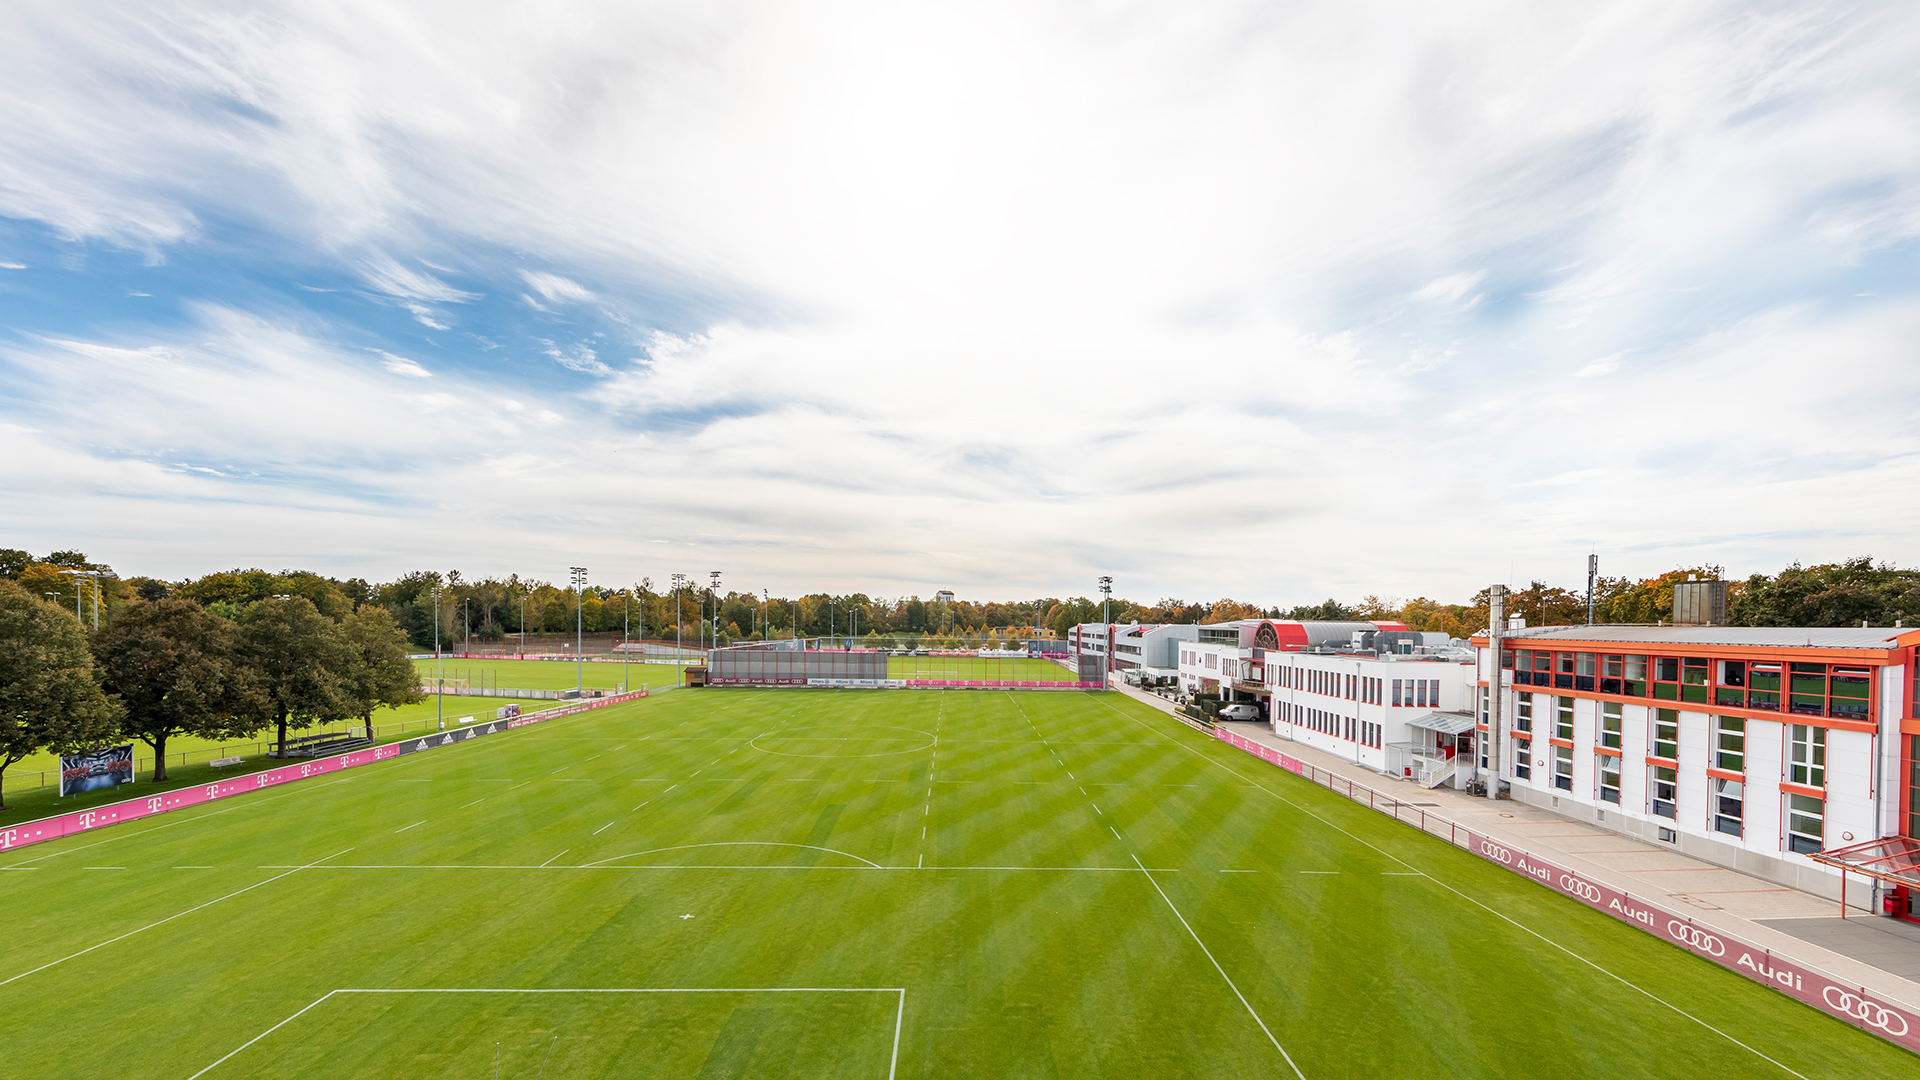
(96, 769)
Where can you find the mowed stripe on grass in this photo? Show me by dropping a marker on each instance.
(977, 850)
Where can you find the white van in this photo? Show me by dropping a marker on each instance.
(1240, 710)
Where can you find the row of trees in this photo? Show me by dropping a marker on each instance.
(1846, 593)
(169, 666)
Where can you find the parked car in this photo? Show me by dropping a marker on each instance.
(1240, 710)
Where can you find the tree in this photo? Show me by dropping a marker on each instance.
(302, 660)
(176, 669)
(48, 697)
(381, 673)
(1845, 593)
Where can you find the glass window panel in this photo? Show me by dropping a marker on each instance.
(1664, 791)
(1763, 676)
(1566, 662)
(1666, 734)
(1694, 672)
(1666, 669)
(1611, 667)
(1636, 666)
(1806, 823)
(1733, 673)
(1583, 663)
(1610, 725)
(1760, 699)
(1728, 806)
(1730, 744)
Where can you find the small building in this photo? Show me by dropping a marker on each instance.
(1151, 649)
(944, 596)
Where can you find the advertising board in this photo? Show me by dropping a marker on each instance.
(96, 770)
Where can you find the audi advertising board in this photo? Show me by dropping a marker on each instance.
(96, 770)
(1850, 1003)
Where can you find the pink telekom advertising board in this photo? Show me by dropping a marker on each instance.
(38, 832)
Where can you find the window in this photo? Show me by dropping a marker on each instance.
(1806, 823)
(1809, 689)
(1610, 725)
(1666, 734)
(1763, 686)
(1730, 744)
(1850, 688)
(1563, 768)
(1730, 683)
(1563, 718)
(1523, 711)
(1523, 759)
(1421, 690)
(1728, 803)
(1665, 789)
(1635, 683)
(1913, 784)
(1807, 755)
(1609, 777)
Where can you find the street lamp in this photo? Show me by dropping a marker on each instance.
(579, 624)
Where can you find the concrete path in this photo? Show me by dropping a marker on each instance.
(1877, 953)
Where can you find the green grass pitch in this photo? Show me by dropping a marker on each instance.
(548, 674)
(843, 884)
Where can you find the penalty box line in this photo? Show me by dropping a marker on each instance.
(893, 1062)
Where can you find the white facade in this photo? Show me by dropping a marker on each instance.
(1151, 647)
(1749, 786)
(1353, 705)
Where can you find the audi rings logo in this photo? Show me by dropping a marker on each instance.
(1496, 852)
(1575, 887)
(1694, 937)
(1867, 1012)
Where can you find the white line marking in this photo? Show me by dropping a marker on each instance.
(1476, 903)
(1239, 871)
(170, 918)
(475, 802)
(561, 769)
(103, 868)
(183, 868)
(1116, 834)
(1223, 971)
(893, 1063)
(563, 851)
(731, 843)
(603, 828)
(922, 864)
(397, 832)
(1320, 871)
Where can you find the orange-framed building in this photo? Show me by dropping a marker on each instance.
(1749, 747)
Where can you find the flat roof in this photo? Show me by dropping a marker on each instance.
(1443, 722)
(1878, 639)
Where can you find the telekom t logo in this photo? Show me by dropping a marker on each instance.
(8, 837)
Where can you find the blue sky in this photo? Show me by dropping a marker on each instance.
(1277, 302)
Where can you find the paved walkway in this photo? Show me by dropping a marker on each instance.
(1877, 953)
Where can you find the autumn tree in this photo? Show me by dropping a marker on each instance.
(381, 673)
(48, 697)
(176, 669)
(302, 660)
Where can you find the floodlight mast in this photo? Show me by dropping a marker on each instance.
(679, 644)
(714, 589)
(579, 627)
(1106, 618)
(1496, 626)
(439, 682)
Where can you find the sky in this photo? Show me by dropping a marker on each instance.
(1270, 301)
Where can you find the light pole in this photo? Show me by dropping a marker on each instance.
(626, 644)
(77, 575)
(714, 589)
(466, 626)
(766, 612)
(525, 591)
(439, 683)
(579, 626)
(679, 645)
(1106, 618)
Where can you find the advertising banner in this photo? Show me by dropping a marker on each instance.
(1849, 1003)
(36, 832)
(96, 770)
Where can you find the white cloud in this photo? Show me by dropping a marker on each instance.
(556, 288)
(12, 266)
(1005, 292)
(400, 365)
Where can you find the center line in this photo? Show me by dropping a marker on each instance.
(600, 830)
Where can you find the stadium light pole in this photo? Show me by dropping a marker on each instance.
(626, 645)
(714, 588)
(579, 627)
(77, 575)
(1106, 618)
(679, 644)
(439, 683)
(525, 591)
